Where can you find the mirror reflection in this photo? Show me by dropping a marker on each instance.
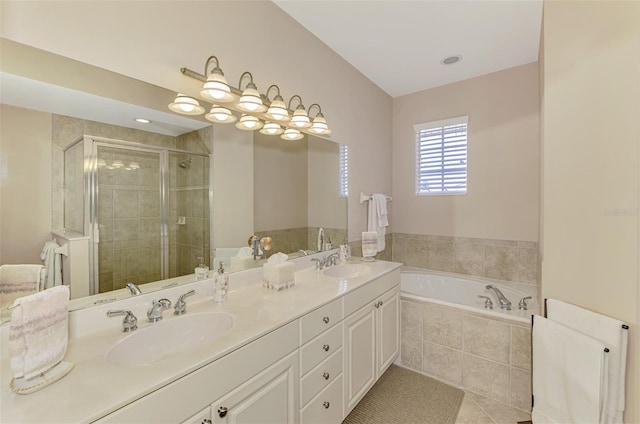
(145, 203)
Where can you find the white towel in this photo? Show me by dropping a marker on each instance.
(377, 218)
(52, 263)
(610, 332)
(17, 281)
(39, 331)
(569, 375)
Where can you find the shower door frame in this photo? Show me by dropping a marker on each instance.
(91, 145)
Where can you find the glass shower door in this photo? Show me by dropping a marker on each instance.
(128, 216)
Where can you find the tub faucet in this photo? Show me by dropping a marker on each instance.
(504, 302)
(135, 290)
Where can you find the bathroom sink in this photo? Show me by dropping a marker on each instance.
(165, 338)
(347, 271)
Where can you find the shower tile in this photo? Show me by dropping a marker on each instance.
(195, 232)
(105, 261)
(495, 242)
(521, 389)
(125, 204)
(442, 326)
(411, 352)
(527, 265)
(440, 255)
(521, 347)
(105, 282)
(442, 363)
(106, 246)
(528, 245)
(501, 262)
(486, 377)
(411, 319)
(125, 229)
(148, 204)
(195, 204)
(106, 177)
(65, 130)
(98, 129)
(468, 258)
(105, 229)
(149, 260)
(105, 204)
(487, 339)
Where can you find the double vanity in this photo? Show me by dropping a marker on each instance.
(307, 354)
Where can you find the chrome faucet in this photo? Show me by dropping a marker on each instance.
(129, 323)
(180, 306)
(135, 290)
(154, 314)
(326, 262)
(504, 302)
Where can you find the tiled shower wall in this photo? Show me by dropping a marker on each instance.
(506, 260)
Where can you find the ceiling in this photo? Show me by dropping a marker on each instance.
(399, 44)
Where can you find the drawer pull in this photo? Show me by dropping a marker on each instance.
(325, 375)
(377, 305)
(325, 320)
(222, 411)
(326, 347)
(326, 404)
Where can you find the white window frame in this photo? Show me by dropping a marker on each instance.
(343, 189)
(454, 147)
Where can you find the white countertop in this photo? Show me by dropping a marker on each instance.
(94, 388)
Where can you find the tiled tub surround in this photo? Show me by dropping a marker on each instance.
(505, 260)
(290, 240)
(483, 354)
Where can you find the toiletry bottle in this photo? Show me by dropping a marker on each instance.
(342, 252)
(328, 245)
(202, 271)
(220, 285)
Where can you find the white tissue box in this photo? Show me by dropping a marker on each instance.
(278, 276)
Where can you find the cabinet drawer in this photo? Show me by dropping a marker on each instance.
(317, 321)
(320, 377)
(326, 407)
(320, 348)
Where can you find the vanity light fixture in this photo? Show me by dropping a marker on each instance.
(291, 134)
(249, 123)
(300, 119)
(186, 105)
(250, 100)
(319, 125)
(221, 115)
(271, 128)
(216, 87)
(277, 110)
(117, 164)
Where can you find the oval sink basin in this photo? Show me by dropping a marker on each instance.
(347, 271)
(165, 338)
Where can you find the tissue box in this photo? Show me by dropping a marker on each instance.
(278, 276)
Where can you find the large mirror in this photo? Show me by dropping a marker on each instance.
(224, 187)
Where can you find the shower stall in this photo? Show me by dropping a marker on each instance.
(146, 209)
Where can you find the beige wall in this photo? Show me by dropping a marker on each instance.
(25, 160)
(150, 51)
(591, 137)
(502, 193)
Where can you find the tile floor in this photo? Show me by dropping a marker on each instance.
(477, 409)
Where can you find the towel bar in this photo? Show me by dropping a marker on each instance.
(365, 198)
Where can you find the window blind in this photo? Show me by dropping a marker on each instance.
(344, 171)
(441, 157)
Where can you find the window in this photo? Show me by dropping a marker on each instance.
(441, 157)
(344, 171)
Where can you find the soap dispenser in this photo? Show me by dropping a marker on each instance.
(220, 285)
(202, 271)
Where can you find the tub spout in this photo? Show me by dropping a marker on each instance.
(504, 302)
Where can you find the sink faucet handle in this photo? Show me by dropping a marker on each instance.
(523, 303)
(488, 304)
(154, 313)
(133, 288)
(319, 262)
(129, 323)
(180, 305)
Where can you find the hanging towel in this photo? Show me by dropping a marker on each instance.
(17, 281)
(377, 218)
(39, 331)
(52, 263)
(569, 375)
(610, 332)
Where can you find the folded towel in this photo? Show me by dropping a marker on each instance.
(377, 218)
(17, 281)
(52, 262)
(39, 331)
(610, 332)
(569, 375)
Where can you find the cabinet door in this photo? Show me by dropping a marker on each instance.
(202, 417)
(360, 355)
(388, 339)
(269, 397)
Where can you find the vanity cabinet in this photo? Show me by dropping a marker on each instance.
(371, 336)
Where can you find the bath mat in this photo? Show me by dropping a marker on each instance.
(402, 396)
